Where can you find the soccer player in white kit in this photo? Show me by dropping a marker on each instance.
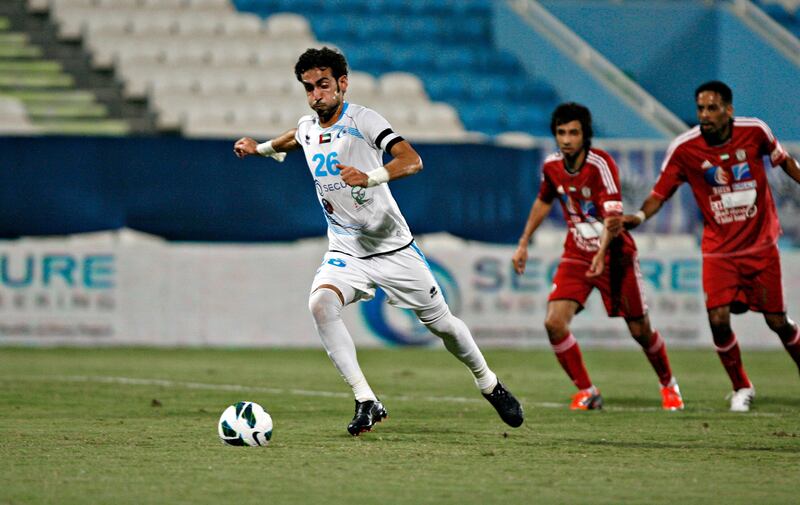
(370, 244)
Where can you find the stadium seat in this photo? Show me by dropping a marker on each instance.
(402, 87)
(447, 44)
(14, 117)
(288, 26)
(362, 89)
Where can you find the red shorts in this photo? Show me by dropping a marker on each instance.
(620, 286)
(746, 282)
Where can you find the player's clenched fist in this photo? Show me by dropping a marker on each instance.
(245, 146)
(353, 176)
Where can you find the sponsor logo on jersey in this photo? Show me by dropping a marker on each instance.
(725, 157)
(716, 176)
(741, 171)
(327, 188)
(324, 138)
(359, 194)
(588, 208)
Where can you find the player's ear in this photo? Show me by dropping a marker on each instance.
(343, 83)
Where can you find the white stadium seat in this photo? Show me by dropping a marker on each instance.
(210, 5)
(402, 86)
(288, 26)
(362, 88)
(14, 117)
(200, 61)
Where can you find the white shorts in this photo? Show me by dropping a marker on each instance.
(404, 275)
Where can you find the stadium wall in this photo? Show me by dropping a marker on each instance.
(126, 288)
(197, 190)
(245, 241)
(713, 44)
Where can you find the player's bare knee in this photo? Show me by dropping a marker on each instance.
(557, 327)
(780, 324)
(640, 329)
(719, 320)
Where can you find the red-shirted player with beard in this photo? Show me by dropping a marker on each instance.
(722, 160)
(585, 180)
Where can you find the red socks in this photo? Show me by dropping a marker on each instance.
(656, 353)
(731, 359)
(569, 355)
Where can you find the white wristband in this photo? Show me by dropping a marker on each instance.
(641, 216)
(377, 176)
(268, 151)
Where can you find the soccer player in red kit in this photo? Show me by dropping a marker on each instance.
(585, 181)
(722, 160)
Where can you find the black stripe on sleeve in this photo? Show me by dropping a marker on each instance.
(382, 135)
(392, 142)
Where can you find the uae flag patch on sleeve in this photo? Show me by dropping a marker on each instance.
(324, 138)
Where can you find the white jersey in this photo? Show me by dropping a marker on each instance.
(362, 222)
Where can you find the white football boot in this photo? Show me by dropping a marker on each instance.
(742, 398)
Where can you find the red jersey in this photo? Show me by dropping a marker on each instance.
(587, 197)
(729, 184)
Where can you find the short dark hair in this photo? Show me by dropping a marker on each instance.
(321, 58)
(572, 111)
(718, 87)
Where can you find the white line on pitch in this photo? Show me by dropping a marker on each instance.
(131, 381)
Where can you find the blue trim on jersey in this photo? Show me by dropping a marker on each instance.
(348, 129)
(344, 108)
(419, 251)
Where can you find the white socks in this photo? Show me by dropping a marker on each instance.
(326, 309)
(458, 340)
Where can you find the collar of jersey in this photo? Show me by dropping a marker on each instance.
(341, 115)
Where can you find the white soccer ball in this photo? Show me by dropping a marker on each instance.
(245, 423)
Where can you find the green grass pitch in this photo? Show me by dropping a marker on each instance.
(138, 426)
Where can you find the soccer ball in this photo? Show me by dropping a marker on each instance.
(245, 423)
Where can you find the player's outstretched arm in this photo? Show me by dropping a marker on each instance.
(615, 224)
(539, 210)
(405, 161)
(275, 148)
(792, 168)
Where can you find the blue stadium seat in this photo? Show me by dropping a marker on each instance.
(481, 117)
(416, 59)
(446, 43)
